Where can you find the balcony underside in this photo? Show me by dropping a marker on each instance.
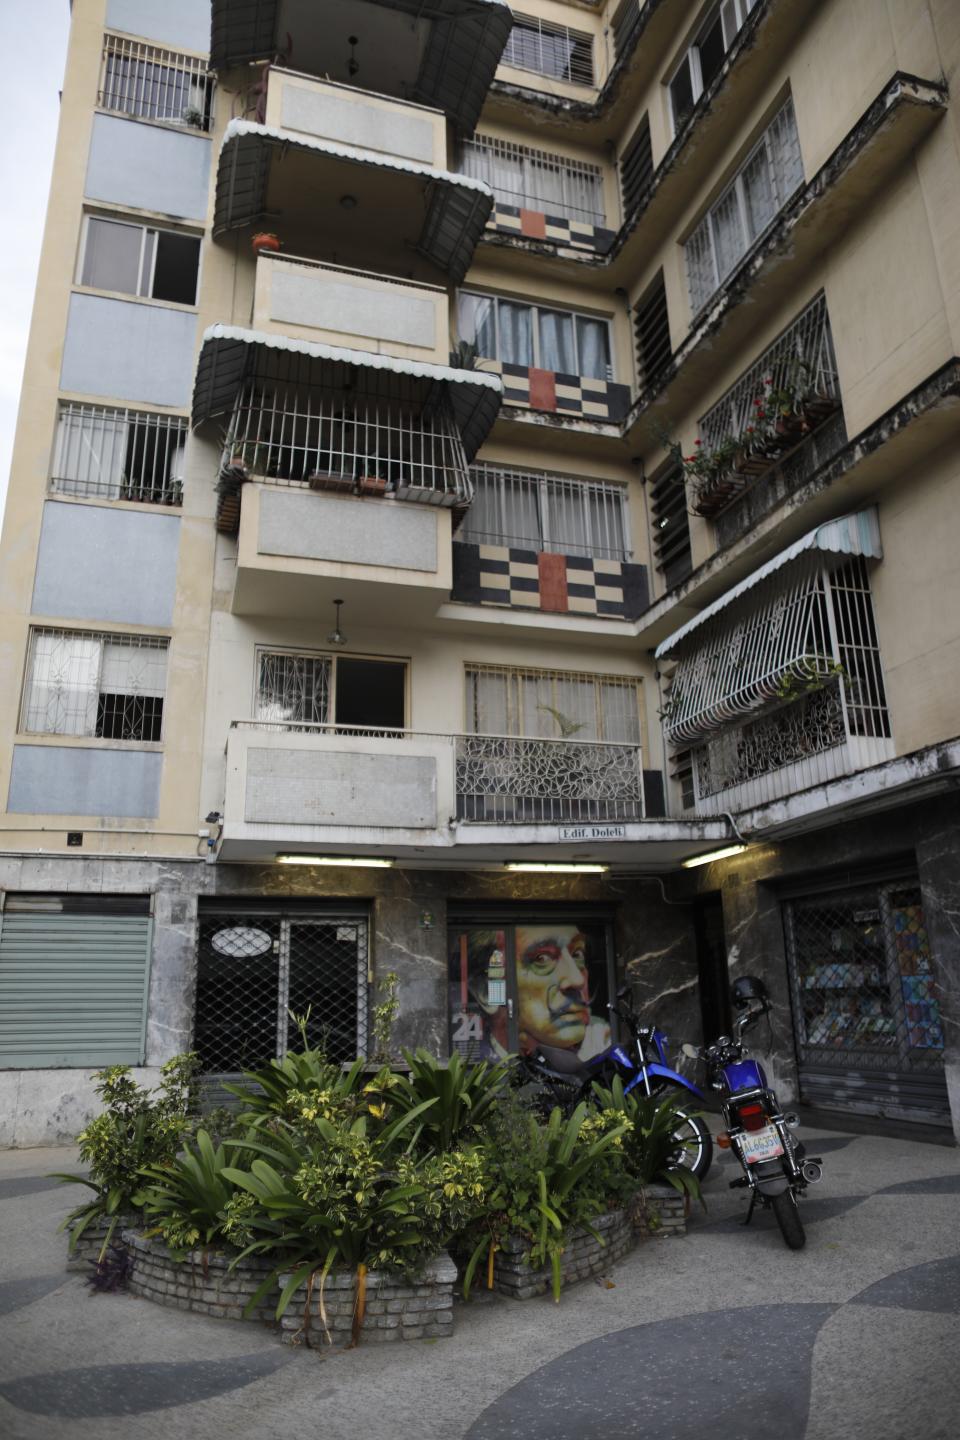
(437, 52)
(276, 177)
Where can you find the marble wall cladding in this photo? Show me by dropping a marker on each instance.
(657, 957)
(172, 975)
(938, 850)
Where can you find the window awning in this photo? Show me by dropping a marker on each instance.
(456, 207)
(463, 47)
(227, 352)
(769, 635)
(857, 534)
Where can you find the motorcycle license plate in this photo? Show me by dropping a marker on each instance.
(764, 1145)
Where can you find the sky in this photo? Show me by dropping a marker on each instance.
(34, 39)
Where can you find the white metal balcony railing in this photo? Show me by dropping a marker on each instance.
(801, 360)
(554, 513)
(533, 179)
(155, 84)
(509, 779)
(105, 453)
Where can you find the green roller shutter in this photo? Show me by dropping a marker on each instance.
(73, 988)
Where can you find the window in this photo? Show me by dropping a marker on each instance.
(636, 168)
(652, 328)
(536, 511)
(258, 968)
(765, 182)
(300, 689)
(552, 704)
(155, 84)
(106, 686)
(703, 61)
(549, 49)
(119, 454)
(529, 335)
(671, 526)
(136, 260)
(535, 179)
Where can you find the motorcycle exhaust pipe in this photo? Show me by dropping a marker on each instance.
(812, 1172)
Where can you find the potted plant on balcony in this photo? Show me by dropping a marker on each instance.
(374, 485)
(334, 481)
(264, 240)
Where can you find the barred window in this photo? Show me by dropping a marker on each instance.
(771, 173)
(113, 454)
(536, 179)
(298, 689)
(552, 704)
(533, 510)
(531, 336)
(84, 683)
(154, 84)
(549, 49)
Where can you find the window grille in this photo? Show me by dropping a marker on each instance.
(802, 354)
(536, 179)
(772, 172)
(652, 328)
(256, 970)
(549, 49)
(532, 510)
(671, 526)
(91, 684)
(155, 84)
(113, 454)
(531, 336)
(552, 704)
(300, 419)
(785, 638)
(293, 688)
(636, 168)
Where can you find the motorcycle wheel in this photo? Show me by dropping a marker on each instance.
(694, 1135)
(788, 1218)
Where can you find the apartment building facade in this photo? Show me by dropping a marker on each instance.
(470, 463)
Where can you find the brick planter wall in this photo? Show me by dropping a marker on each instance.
(659, 1210)
(91, 1241)
(201, 1282)
(396, 1309)
(583, 1256)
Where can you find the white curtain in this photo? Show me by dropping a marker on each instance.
(64, 685)
(556, 342)
(478, 323)
(516, 334)
(91, 453)
(594, 345)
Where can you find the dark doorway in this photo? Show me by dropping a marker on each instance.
(712, 962)
(371, 692)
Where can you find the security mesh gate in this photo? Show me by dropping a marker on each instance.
(257, 970)
(866, 1004)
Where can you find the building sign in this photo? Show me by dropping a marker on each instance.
(592, 832)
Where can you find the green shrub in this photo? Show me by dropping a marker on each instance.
(185, 1199)
(461, 1096)
(649, 1148)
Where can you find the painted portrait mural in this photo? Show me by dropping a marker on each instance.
(528, 983)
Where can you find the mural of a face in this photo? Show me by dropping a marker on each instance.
(552, 985)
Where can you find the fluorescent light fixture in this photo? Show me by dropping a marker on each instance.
(364, 862)
(541, 867)
(712, 855)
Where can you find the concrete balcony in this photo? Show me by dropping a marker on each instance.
(441, 799)
(365, 172)
(354, 308)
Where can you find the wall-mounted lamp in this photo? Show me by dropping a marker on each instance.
(712, 855)
(358, 862)
(542, 867)
(336, 636)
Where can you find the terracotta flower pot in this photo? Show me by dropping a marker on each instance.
(264, 241)
(372, 485)
(323, 480)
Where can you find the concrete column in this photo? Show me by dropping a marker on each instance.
(937, 853)
(416, 951)
(173, 975)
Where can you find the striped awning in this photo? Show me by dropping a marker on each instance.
(227, 352)
(463, 47)
(857, 534)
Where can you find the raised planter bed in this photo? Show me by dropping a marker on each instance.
(396, 1308)
(88, 1247)
(202, 1282)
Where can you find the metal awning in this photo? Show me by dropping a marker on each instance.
(227, 351)
(456, 207)
(857, 534)
(463, 50)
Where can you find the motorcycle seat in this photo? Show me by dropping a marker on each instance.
(562, 1062)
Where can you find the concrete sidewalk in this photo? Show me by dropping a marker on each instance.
(723, 1333)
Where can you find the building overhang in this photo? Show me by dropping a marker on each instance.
(458, 44)
(264, 170)
(228, 352)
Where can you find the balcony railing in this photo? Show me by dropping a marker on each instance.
(536, 179)
(150, 83)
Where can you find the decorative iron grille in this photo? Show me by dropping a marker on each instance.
(549, 49)
(533, 510)
(290, 429)
(801, 355)
(105, 686)
(257, 971)
(155, 84)
(112, 454)
(536, 179)
(772, 172)
(864, 992)
(503, 779)
(809, 726)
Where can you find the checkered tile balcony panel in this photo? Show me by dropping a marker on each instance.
(553, 229)
(576, 397)
(560, 584)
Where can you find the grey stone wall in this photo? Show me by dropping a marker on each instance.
(396, 1308)
(203, 1282)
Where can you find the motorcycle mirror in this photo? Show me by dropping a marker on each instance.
(623, 992)
(691, 1052)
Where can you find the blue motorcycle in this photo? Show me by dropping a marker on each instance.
(775, 1165)
(642, 1064)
